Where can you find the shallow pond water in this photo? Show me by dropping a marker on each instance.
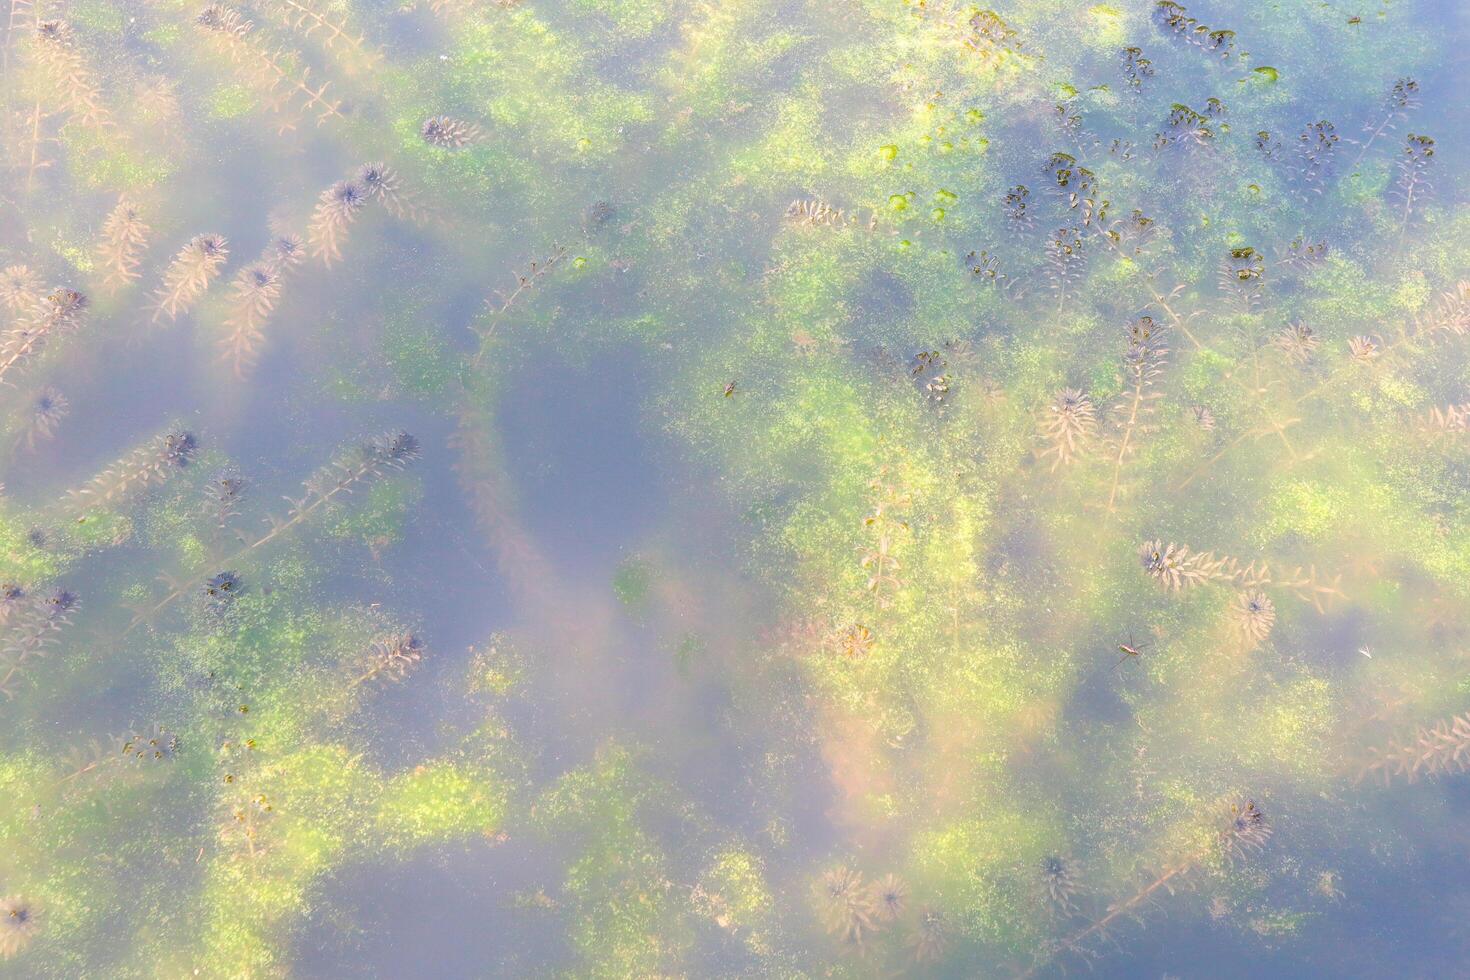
(642, 488)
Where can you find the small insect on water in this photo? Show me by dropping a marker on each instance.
(1129, 650)
(729, 389)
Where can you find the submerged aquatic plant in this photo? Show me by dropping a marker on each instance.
(1018, 207)
(67, 74)
(1177, 568)
(1297, 342)
(1136, 68)
(189, 275)
(156, 100)
(20, 288)
(390, 658)
(33, 630)
(38, 142)
(1448, 317)
(501, 301)
(936, 648)
(1173, 566)
(18, 925)
(990, 36)
(1186, 129)
(284, 252)
(48, 407)
(286, 90)
(221, 590)
(351, 470)
(1246, 832)
(1059, 882)
(1068, 427)
(157, 744)
(63, 311)
(1413, 180)
(1240, 831)
(887, 523)
(448, 133)
(986, 268)
(223, 496)
(1316, 151)
(319, 23)
(890, 897)
(1065, 262)
(337, 208)
(13, 599)
(814, 212)
(1203, 416)
(254, 294)
(1365, 349)
(1068, 179)
(1144, 360)
(938, 388)
(384, 185)
(223, 19)
(1438, 750)
(854, 641)
(1174, 19)
(1243, 278)
(1254, 614)
(1451, 419)
(367, 461)
(597, 216)
(1301, 254)
(1130, 235)
(931, 936)
(150, 464)
(134, 749)
(1402, 98)
(847, 907)
(120, 248)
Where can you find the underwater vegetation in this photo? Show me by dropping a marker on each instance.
(59, 313)
(912, 489)
(1441, 748)
(448, 133)
(122, 243)
(48, 408)
(189, 275)
(18, 924)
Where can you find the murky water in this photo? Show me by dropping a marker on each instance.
(636, 488)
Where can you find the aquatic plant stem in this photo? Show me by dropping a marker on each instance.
(1072, 942)
(1430, 751)
(524, 282)
(295, 15)
(302, 511)
(15, 668)
(1158, 298)
(1388, 118)
(23, 350)
(1128, 430)
(35, 163)
(1174, 318)
(1408, 211)
(1406, 338)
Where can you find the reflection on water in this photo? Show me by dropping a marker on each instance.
(646, 488)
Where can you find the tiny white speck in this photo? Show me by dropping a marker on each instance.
(1366, 652)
